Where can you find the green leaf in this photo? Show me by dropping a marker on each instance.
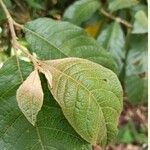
(48, 76)
(125, 135)
(30, 97)
(52, 130)
(120, 4)
(136, 69)
(35, 4)
(129, 134)
(51, 39)
(139, 7)
(90, 97)
(141, 23)
(8, 3)
(81, 11)
(112, 39)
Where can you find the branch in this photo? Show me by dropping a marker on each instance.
(118, 19)
(14, 41)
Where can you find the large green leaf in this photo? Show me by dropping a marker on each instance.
(90, 96)
(141, 23)
(81, 11)
(51, 39)
(120, 4)
(52, 131)
(112, 39)
(136, 69)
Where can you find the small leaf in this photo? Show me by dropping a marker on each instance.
(81, 11)
(52, 130)
(51, 39)
(90, 97)
(139, 7)
(30, 97)
(141, 23)
(120, 4)
(107, 39)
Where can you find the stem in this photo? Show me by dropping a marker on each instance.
(118, 19)
(14, 41)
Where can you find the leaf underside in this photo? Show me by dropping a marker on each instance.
(89, 95)
(30, 96)
(107, 39)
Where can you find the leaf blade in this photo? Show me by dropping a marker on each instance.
(120, 4)
(136, 70)
(73, 80)
(43, 34)
(141, 23)
(81, 11)
(30, 97)
(107, 39)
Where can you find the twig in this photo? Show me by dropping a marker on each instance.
(118, 19)
(14, 41)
